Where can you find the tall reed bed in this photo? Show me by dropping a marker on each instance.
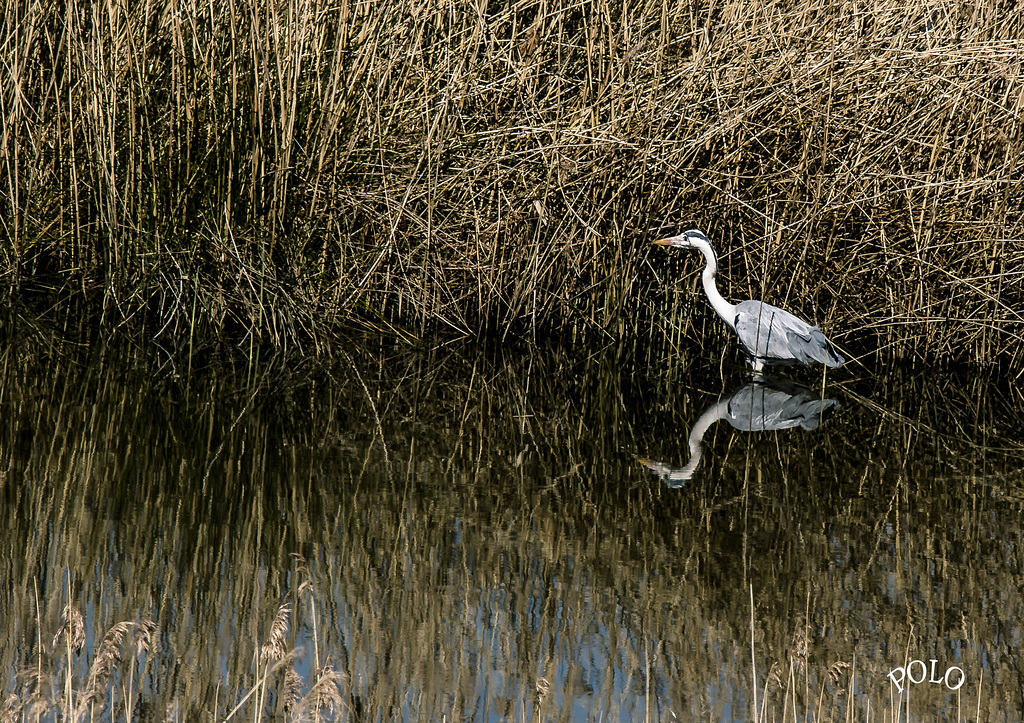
(279, 170)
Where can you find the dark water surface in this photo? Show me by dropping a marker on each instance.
(520, 534)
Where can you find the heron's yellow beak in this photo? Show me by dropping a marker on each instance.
(663, 242)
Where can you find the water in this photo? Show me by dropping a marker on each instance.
(517, 534)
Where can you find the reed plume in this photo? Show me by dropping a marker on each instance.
(325, 693)
(274, 648)
(109, 656)
(71, 634)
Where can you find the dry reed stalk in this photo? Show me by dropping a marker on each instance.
(35, 699)
(293, 695)
(272, 654)
(71, 634)
(270, 172)
(143, 637)
(71, 637)
(108, 657)
(260, 687)
(68, 640)
(832, 676)
(274, 648)
(325, 694)
(306, 587)
(10, 711)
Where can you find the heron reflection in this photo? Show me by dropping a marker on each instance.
(761, 406)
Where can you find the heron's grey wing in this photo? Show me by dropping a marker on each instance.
(763, 406)
(773, 334)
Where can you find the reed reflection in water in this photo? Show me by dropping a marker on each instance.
(399, 535)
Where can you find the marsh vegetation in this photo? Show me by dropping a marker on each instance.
(273, 173)
(469, 535)
(342, 512)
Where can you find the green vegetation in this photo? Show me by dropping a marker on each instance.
(279, 171)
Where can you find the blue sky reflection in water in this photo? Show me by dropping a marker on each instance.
(465, 535)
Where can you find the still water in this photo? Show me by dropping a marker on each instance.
(520, 534)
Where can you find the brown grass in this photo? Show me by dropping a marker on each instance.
(273, 172)
(51, 687)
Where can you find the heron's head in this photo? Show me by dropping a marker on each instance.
(693, 237)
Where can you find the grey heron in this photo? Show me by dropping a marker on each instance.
(761, 406)
(771, 336)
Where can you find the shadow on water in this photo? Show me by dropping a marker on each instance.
(463, 534)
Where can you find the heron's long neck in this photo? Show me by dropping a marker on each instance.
(722, 307)
(695, 441)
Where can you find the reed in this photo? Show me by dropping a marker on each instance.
(51, 689)
(277, 172)
(501, 540)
